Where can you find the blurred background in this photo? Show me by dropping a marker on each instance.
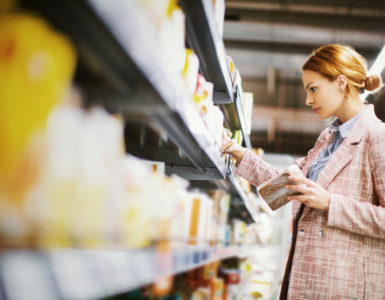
(269, 42)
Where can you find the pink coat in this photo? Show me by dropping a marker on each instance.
(340, 253)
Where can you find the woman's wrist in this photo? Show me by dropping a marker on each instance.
(239, 154)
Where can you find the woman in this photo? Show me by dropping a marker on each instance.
(338, 245)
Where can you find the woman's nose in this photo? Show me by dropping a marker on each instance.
(309, 100)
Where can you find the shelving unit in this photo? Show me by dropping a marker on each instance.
(203, 37)
(239, 109)
(93, 274)
(119, 67)
(243, 208)
(144, 85)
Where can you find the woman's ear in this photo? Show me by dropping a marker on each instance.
(342, 82)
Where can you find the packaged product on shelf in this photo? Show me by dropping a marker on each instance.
(214, 122)
(219, 10)
(258, 151)
(217, 289)
(99, 157)
(191, 71)
(247, 106)
(208, 221)
(180, 225)
(239, 231)
(263, 228)
(157, 214)
(211, 115)
(237, 83)
(59, 182)
(164, 207)
(231, 66)
(205, 282)
(135, 207)
(201, 293)
(260, 287)
(274, 192)
(228, 235)
(34, 75)
(203, 96)
(157, 9)
(163, 285)
(232, 278)
(245, 184)
(209, 271)
(221, 204)
(237, 137)
(80, 172)
(171, 38)
(200, 225)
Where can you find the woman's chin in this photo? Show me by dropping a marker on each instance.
(323, 117)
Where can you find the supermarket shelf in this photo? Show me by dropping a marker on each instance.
(203, 37)
(182, 122)
(242, 121)
(240, 206)
(94, 274)
(128, 63)
(245, 210)
(235, 118)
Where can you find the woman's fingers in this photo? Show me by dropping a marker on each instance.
(301, 198)
(301, 188)
(302, 180)
(227, 146)
(225, 136)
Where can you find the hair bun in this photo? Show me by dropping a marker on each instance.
(373, 82)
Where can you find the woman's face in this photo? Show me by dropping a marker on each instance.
(325, 97)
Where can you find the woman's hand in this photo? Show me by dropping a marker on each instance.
(312, 194)
(232, 148)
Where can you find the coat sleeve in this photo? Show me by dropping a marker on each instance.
(257, 171)
(254, 169)
(367, 218)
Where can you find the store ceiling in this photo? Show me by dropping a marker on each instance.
(270, 40)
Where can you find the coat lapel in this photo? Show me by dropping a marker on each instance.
(296, 206)
(337, 162)
(345, 152)
(320, 145)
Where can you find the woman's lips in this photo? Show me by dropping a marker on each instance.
(316, 110)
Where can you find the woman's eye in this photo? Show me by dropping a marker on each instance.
(313, 89)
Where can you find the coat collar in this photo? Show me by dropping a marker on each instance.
(363, 124)
(366, 117)
(344, 128)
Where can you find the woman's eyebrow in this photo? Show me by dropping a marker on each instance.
(308, 85)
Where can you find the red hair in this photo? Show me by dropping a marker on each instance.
(333, 60)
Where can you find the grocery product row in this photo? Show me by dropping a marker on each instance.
(156, 89)
(112, 176)
(75, 187)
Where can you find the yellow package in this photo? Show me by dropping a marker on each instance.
(36, 66)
